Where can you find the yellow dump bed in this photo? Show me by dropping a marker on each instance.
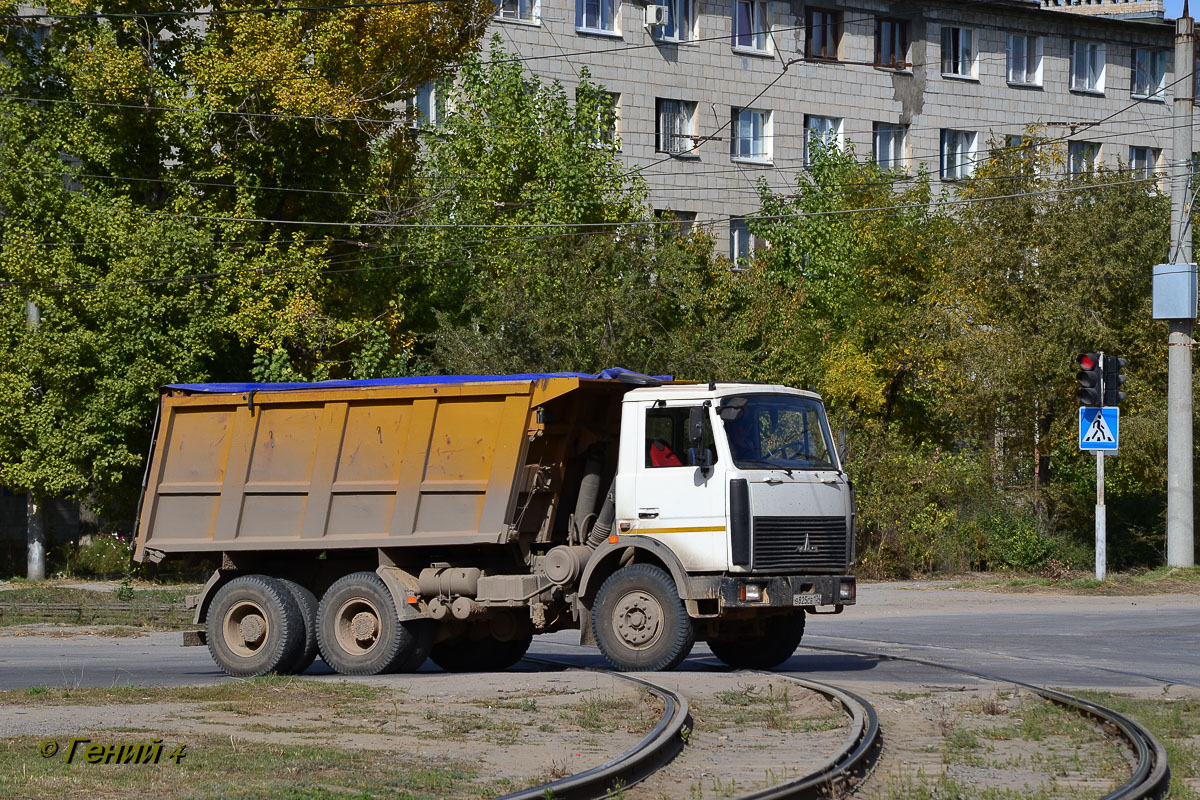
(285, 467)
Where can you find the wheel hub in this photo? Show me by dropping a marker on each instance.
(359, 626)
(246, 629)
(637, 619)
(252, 628)
(364, 626)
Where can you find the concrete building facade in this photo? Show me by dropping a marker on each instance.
(713, 95)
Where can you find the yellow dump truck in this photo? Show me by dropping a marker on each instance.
(382, 522)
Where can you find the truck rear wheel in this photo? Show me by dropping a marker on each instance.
(306, 602)
(254, 627)
(359, 631)
(639, 621)
(779, 639)
(483, 655)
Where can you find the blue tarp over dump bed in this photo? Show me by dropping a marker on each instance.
(614, 373)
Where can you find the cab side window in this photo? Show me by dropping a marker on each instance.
(667, 442)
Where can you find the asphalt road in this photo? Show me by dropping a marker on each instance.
(1048, 640)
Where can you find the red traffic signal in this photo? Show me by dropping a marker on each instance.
(1091, 384)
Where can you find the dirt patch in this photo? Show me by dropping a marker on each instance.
(490, 733)
(751, 731)
(989, 741)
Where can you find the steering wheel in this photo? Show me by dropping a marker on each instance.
(796, 446)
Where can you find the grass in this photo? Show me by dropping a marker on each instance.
(748, 705)
(1160, 580)
(228, 767)
(1176, 723)
(30, 603)
(604, 714)
(270, 693)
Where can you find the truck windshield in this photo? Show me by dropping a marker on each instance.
(778, 432)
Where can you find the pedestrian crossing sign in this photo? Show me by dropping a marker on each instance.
(1099, 428)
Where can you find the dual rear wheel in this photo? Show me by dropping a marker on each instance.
(258, 624)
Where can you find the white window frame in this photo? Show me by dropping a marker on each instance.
(605, 20)
(958, 52)
(757, 122)
(1144, 160)
(1023, 59)
(1088, 61)
(1148, 74)
(742, 243)
(1083, 158)
(889, 142)
(427, 108)
(527, 11)
(759, 35)
(681, 21)
(957, 154)
(675, 126)
(826, 129)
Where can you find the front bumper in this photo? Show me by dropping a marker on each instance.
(774, 591)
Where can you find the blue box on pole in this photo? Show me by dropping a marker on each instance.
(1174, 291)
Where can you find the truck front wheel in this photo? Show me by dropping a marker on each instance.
(779, 638)
(639, 621)
(254, 627)
(359, 631)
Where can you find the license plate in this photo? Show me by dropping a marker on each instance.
(806, 599)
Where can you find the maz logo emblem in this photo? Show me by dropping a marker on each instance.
(807, 547)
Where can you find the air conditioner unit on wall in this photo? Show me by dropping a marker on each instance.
(656, 16)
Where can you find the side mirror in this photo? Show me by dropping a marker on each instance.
(700, 458)
(843, 450)
(696, 417)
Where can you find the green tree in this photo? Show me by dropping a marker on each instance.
(163, 176)
(515, 169)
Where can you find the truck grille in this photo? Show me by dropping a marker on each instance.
(780, 543)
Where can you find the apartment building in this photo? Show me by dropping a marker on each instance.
(713, 95)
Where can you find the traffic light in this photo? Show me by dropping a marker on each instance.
(1113, 380)
(1091, 385)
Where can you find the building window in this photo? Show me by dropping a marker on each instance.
(1149, 73)
(1024, 60)
(675, 126)
(602, 107)
(1143, 161)
(891, 43)
(751, 138)
(751, 28)
(1087, 66)
(958, 154)
(958, 52)
(890, 143)
(675, 223)
(427, 108)
(823, 34)
(742, 243)
(1082, 157)
(681, 21)
(597, 15)
(519, 10)
(820, 133)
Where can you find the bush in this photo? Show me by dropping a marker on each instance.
(107, 555)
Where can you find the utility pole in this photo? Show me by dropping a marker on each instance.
(35, 529)
(1180, 549)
